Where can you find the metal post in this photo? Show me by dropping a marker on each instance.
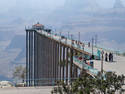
(71, 36)
(92, 48)
(68, 35)
(79, 36)
(102, 62)
(60, 37)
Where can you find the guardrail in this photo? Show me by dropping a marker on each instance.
(92, 70)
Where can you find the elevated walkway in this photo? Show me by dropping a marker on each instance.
(79, 48)
(116, 66)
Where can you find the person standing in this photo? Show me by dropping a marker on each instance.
(106, 57)
(88, 44)
(110, 57)
(99, 54)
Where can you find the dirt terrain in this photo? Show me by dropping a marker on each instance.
(32, 90)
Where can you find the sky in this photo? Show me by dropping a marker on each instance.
(108, 3)
(6, 4)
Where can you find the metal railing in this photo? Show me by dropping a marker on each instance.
(85, 66)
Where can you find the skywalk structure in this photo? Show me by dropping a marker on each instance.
(51, 57)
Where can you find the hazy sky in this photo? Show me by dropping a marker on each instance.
(5, 4)
(108, 3)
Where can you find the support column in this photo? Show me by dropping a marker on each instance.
(31, 57)
(53, 63)
(39, 54)
(60, 68)
(27, 58)
(63, 63)
(50, 61)
(57, 58)
(71, 63)
(67, 65)
(35, 58)
(75, 71)
(48, 58)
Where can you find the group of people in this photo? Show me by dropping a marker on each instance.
(109, 57)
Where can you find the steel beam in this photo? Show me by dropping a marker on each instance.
(60, 68)
(67, 64)
(63, 70)
(71, 63)
(27, 57)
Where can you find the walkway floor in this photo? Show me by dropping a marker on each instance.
(117, 66)
(37, 90)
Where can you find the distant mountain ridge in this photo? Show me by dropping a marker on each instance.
(90, 20)
(118, 4)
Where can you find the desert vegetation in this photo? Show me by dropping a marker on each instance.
(110, 83)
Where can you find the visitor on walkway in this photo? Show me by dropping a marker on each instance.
(110, 57)
(99, 54)
(106, 57)
(88, 44)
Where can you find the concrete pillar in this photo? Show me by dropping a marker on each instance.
(71, 63)
(47, 60)
(57, 59)
(37, 70)
(63, 70)
(40, 60)
(51, 61)
(67, 65)
(31, 57)
(27, 57)
(60, 67)
(35, 58)
(53, 70)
